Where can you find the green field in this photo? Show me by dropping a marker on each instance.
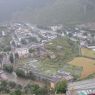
(51, 67)
(88, 52)
(64, 50)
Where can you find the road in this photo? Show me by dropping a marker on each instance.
(87, 84)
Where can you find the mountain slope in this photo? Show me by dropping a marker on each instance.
(10, 7)
(48, 12)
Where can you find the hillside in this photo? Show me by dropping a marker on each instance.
(60, 11)
(48, 12)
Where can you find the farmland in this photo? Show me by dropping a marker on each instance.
(50, 67)
(88, 52)
(64, 51)
(87, 64)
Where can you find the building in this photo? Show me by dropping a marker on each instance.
(61, 75)
(86, 87)
(22, 52)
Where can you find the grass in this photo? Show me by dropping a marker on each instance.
(51, 67)
(90, 76)
(87, 64)
(64, 50)
(88, 52)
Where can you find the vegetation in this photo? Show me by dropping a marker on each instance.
(33, 39)
(35, 89)
(7, 48)
(23, 41)
(88, 52)
(30, 75)
(87, 65)
(51, 11)
(12, 84)
(7, 87)
(8, 68)
(11, 88)
(61, 87)
(91, 76)
(16, 92)
(20, 72)
(31, 50)
(11, 57)
(5, 43)
(64, 50)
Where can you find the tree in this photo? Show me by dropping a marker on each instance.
(31, 50)
(44, 90)
(30, 75)
(18, 92)
(8, 68)
(34, 89)
(61, 87)
(20, 73)
(7, 48)
(16, 56)
(11, 58)
(4, 87)
(12, 84)
(23, 41)
(12, 93)
(33, 39)
(1, 59)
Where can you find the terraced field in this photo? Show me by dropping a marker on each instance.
(87, 64)
(88, 52)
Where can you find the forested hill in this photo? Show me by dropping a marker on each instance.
(52, 11)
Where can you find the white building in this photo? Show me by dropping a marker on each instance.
(22, 52)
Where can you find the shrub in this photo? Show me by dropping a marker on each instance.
(61, 87)
(20, 72)
(12, 84)
(8, 68)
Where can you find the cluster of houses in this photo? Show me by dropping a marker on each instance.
(85, 36)
(61, 75)
(27, 36)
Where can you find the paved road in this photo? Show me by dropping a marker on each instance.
(88, 84)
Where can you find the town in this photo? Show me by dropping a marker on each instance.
(27, 48)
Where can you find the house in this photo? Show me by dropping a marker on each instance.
(56, 27)
(22, 52)
(91, 47)
(54, 80)
(61, 75)
(51, 55)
